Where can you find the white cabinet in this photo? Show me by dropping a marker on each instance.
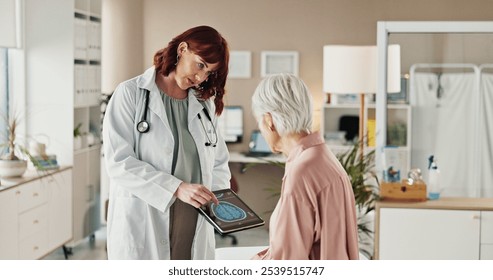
(486, 235)
(451, 229)
(86, 193)
(35, 214)
(60, 228)
(9, 232)
(412, 234)
(32, 198)
(62, 49)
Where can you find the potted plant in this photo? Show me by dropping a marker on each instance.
(365, 188)
(82, 139)
(13, 156)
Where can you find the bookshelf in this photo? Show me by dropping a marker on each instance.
(62, 89)
(398, 126)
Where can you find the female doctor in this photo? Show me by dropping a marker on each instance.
(163, 153)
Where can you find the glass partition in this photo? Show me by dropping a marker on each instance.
(450, 95)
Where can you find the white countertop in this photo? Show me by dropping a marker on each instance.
(30, 175)
(450, 203)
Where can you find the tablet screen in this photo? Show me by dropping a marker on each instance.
(231, 214)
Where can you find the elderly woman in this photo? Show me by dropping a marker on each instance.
(315, 217)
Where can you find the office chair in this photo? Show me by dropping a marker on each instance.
(234, 186)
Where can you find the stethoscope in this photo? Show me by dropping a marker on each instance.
(143, 126)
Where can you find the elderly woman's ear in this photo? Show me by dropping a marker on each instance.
(269, 122)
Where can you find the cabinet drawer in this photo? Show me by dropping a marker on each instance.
(34, 246)
(487, 227)
(33, 221)
(31, 195)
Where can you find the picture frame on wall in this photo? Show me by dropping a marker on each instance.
(240, 65)
(275, 62)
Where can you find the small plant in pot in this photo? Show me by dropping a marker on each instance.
(80, 138)
(13, 155)
(12, 162)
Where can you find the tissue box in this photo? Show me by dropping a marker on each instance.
(403, 191)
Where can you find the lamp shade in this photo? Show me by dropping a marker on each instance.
(393, 68)
(353, 69)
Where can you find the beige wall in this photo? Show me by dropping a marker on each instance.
(122, 42)
(138, 28)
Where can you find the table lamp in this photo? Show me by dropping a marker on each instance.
(353, 70)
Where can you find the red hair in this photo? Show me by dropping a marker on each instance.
(207, 43)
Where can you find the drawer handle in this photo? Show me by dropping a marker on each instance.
(18, 192)
(475, 217)
(35, 221)
(35, 248)
(35, 194)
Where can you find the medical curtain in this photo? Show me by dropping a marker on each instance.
(445, 124)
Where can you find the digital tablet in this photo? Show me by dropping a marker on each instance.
(231, 214)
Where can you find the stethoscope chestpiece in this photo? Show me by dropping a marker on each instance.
(143, 126)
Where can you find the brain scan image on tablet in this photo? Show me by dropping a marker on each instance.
(230, 214)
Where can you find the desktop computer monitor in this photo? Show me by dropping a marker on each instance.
(230, 124)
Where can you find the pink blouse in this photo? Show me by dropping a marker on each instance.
(315, 217)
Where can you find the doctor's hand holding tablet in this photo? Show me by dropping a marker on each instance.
(195, 194)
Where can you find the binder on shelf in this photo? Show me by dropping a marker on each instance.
(371, 124)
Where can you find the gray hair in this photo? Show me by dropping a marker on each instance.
(288, 100)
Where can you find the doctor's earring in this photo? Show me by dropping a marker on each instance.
(177, 59)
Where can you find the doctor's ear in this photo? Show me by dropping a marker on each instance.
(182, 47)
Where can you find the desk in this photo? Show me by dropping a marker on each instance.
(238, 253)
(236, 157)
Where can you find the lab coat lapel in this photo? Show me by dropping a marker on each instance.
(157, 107)
(146, 81)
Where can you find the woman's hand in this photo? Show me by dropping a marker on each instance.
(195, 194)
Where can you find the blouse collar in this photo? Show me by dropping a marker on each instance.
(304, 143)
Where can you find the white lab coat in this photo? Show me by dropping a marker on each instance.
(139, 169)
